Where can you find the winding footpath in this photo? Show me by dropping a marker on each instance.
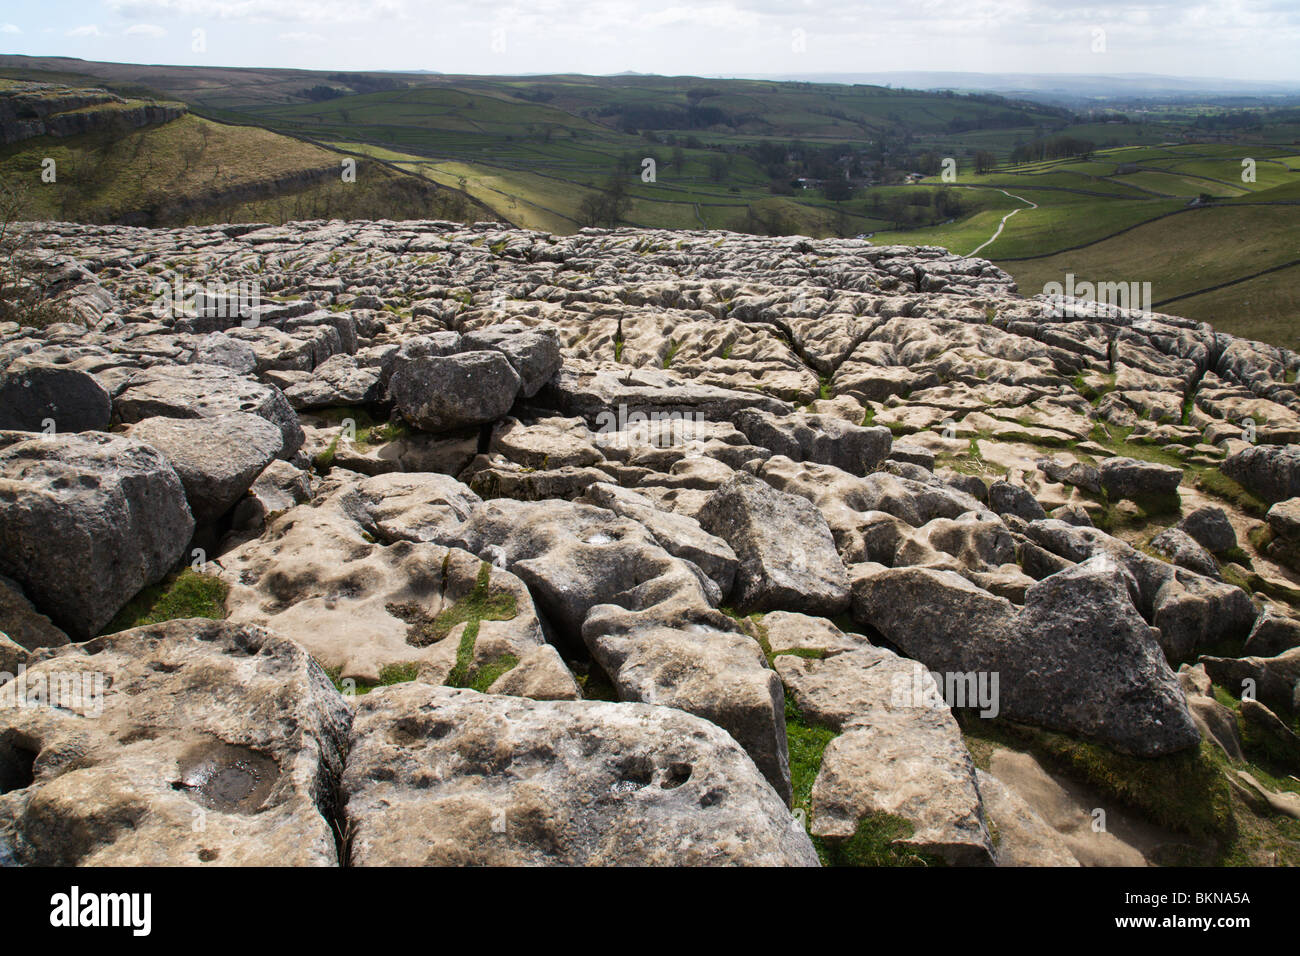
(1002, 224)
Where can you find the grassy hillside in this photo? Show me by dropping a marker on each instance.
(1132, 214)
(191, 169)
(1210, 248)
(533, 149)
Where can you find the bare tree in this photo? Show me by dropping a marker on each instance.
(607, 206)
(23, 296)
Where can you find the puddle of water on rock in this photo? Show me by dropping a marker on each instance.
(227, 777)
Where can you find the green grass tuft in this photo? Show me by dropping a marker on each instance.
(875, 843)
(459, 675)
(389, 674)
(1214, 482)
(484, 677)
(806, 742)
(178, 596)
(398, 673)
(478, 605)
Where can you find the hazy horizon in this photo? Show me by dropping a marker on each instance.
(1239, 40)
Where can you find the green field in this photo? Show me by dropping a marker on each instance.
(1156, 237)
(1197, 250)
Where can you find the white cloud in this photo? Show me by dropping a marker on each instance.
(88, 30)
(9, 28)
(311, 11)
(1181, 37)
(148, 30)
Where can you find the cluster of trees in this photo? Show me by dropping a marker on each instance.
(1242, 119)
(391, 196)
(916, 207)
(697, 93)
(690, 141)
(22, 294)
(365, 83)
(349, 83)
(608, 205)
(983, 119)
(765, 218)
(629, 163)
(837, 189)
(931, 164)
(1053, 147)
(631, 118)
(784, 163)
(320, 92)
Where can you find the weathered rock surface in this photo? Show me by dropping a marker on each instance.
(541, 674)
(1190, 610)
(86, 521)
(1130, 478)
(820, 438)
(679, 535)
(217, 458)
(1182, 549)
(1275, 681)
(362, 600)
(1024, 838)
(574, 557)
(441, 393)
(408, 507)
(1272, 634)
(1006, 498)
(22, 624)
(339, 380)
(534, 354)
(205, 391)
(600, 397)
(681, 655)
(570, 450)
(179, 744)
(1270, 471)
(278, 488)
(1078, 657)
(50, 398)
(786, 552)
(1210, 527)
(1216, 722)
(449, 777)
(899, 752)
(787, 632)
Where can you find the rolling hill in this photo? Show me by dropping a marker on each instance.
(140, 162)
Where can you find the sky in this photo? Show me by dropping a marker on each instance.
(1237, 39)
